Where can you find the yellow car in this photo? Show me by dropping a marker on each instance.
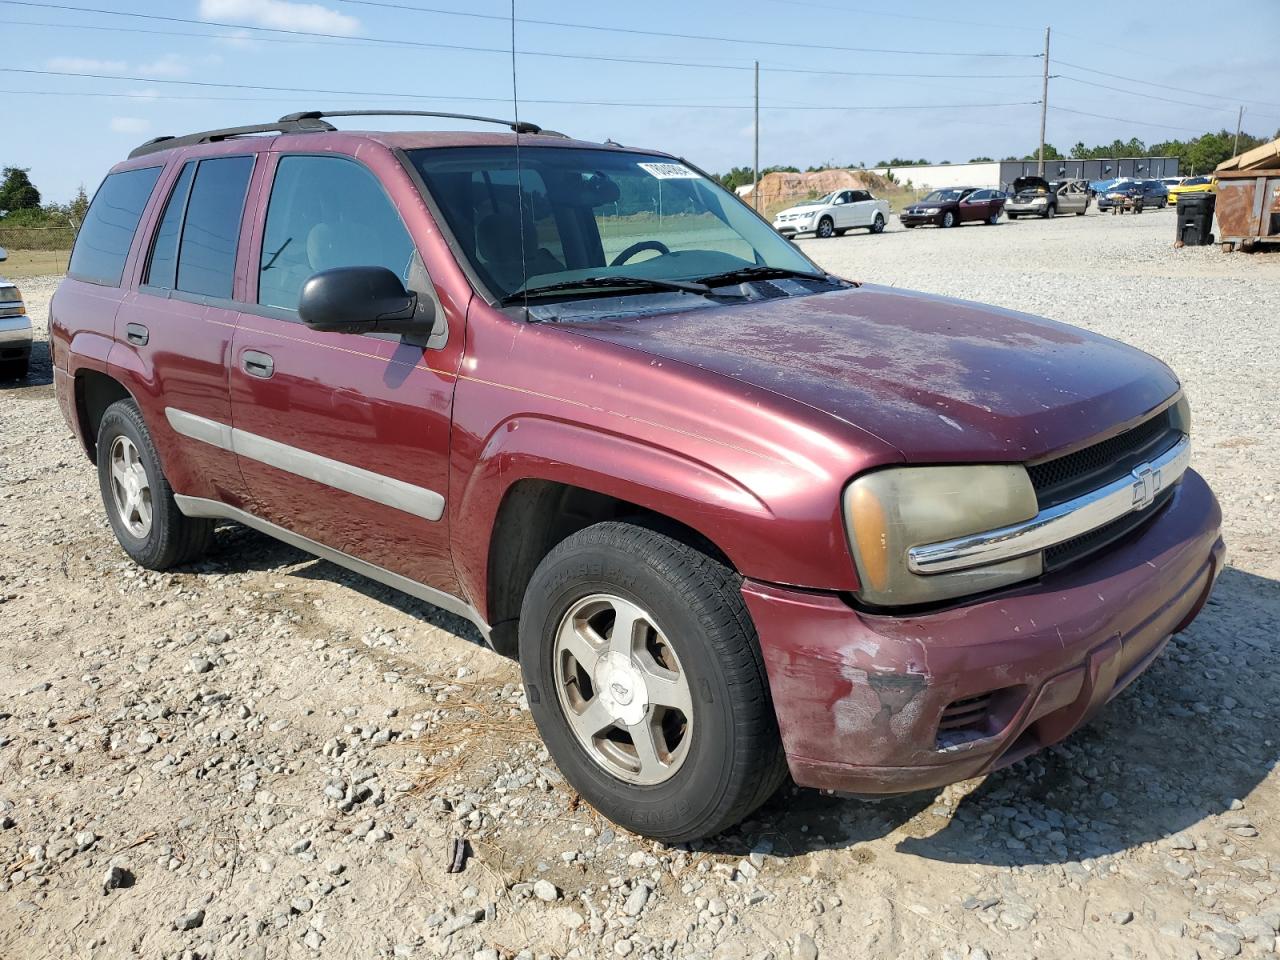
(1193, 185)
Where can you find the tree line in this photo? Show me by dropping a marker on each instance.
(1198, 155)
(20, 204)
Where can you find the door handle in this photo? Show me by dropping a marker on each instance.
(257, 364)
(136, 333)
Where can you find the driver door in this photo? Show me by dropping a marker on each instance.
(844, 213)
(342, 438)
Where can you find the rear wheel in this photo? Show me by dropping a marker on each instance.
(644, 675)
(826, 229)
(877, 225)
(994, 218)
(139, 501)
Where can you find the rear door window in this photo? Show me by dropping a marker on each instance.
(327, 212)
(211, 228)
(102, 245)
(162, 271)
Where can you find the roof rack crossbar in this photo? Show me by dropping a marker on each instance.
(522, 126)
(292, 124)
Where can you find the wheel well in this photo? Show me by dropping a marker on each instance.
(94, 392)
(535, 515)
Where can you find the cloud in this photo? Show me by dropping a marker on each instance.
(87, 65)
(281, 14)
(168, 66)
(130, 124)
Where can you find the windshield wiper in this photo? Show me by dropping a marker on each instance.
(620, 282)
(758, 272)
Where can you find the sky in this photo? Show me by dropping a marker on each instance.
(825, 96)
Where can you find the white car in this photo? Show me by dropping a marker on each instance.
(832, 215)
(15, 331)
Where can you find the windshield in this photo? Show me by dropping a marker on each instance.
(943, 196)
(587, 213)
(1195, 181)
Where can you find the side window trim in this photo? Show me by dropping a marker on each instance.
(144, 282)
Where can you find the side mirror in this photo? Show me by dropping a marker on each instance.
(358, 300)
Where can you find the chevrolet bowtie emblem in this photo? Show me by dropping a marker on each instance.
(1146, 484)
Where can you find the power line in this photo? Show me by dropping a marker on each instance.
(531, 53)
(402, 95)
(1165, 86)
(679, 36)
(1145, 123)
(1152, 96)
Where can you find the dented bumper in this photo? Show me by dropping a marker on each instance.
(873, 704)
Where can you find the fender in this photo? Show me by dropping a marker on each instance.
(706, 499)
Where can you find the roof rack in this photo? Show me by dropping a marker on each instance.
(292, 124)
(517, 126)
(312, 121)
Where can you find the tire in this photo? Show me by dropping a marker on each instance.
(167, 538)
(877, 225)
(948, 219)
(1013, 216)
(826, 229)
(1081, 213)
(1050, 211)
(15, 369)
(910, 226)
(994, 218)
(729, 759)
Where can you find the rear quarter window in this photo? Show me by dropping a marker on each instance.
(102, 245)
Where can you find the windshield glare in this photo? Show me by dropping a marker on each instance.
(943, 196)
(591, 213)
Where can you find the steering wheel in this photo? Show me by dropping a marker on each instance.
(640, 247)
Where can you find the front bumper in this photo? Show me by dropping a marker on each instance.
(860, 697)
(1013, 206)
(794, 229)
(919, 219)
(15, 337)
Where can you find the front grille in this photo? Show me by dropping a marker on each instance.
(1063, 478)
(1069, 551)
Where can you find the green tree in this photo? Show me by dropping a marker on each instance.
(17, 192)
(981, 160)
(79, 206)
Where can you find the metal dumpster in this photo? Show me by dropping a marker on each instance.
(1249, 197)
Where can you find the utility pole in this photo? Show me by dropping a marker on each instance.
(755, 164)
(1235, 150)
(1044, 100)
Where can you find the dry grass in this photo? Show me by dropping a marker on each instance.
(34, 263)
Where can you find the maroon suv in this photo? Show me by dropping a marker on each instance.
(734, 515)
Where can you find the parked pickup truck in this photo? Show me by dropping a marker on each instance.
(1036, 196)
(834, 215)
(734, 515)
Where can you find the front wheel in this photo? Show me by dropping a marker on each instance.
(15, 369)
(948, 219)
(139, 501)
(826, 229)
(643, 673)
(1013, 216)
(1049, 211)
(877, 225)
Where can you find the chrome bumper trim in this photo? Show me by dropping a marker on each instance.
(1057, 524)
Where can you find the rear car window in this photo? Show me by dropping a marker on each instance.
(162, 271)
(211, 228)
(102, 245)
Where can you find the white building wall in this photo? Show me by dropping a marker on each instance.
(947, 174)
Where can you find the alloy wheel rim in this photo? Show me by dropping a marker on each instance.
(130, 488)
(622, 689)
(825, 229)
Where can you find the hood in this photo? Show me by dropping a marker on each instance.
(807, 207)
(1031, 185)
(941, 380)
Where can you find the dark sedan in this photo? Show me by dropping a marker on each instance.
(953, 206)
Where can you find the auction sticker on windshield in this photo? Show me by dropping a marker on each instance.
(669, 171)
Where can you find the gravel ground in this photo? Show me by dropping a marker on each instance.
(263, 756)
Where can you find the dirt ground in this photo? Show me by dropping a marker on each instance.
(264, 756)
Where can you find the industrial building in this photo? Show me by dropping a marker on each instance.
(1001, 173)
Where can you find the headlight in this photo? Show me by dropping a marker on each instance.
(889, 511)
(930, 211)
(1040, 200)
(11, 302)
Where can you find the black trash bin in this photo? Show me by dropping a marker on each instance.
(1195, 218)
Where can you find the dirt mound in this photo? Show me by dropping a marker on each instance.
(778, 188)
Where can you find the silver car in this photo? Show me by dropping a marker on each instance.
(1037, 197)
(15, 330)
